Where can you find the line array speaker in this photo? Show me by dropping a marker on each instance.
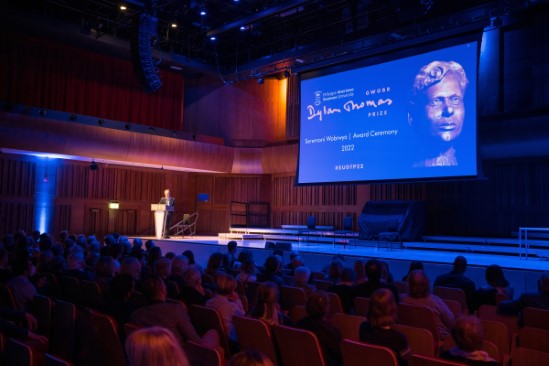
(143, 36)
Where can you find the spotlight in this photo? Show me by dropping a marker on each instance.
(286, 74)
(203, 11)
(212, 38)
(260, 81)
(100, 122)
(123, 6)
(173, 25)
(73, 117)
(94, 166)
(127, 126)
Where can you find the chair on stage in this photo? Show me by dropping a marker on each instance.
(311, 228)
(357, 353)
(347, 230)
(185, 227)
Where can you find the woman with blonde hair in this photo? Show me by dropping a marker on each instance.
(266, 305)
(154, 346)
(250, 357)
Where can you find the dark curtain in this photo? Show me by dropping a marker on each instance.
(45, 74)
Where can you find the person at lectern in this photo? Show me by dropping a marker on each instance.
(167, 200)
(437, 113)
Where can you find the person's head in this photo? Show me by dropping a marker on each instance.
(437, 107)
(231, 246)
(374, 270)
(383, 309)
(180, 263)
(272, 264)
(105, 267)
(266, 302)
(415, 265)
(301, 275)
(334, 269)
(360, 269)
(121, 287)
(248, 267)
(76, 261)
(131, 266)
(468, 333)
(318, 305)
(189, 254)
(154, 346)
(347, 275)
(154, 288)
(249, 357)
(163, 267)
(460, 264)
(418, 284)
(495, 277)
(167, 193)
(244, 255)
(226, 284)
(215, 262)
(192, 277)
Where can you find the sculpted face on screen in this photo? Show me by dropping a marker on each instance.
(444, 109)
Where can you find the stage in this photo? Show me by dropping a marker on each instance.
(521, 271)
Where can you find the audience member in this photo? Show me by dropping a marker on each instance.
(538, 300)
(419, 294)
(317, 307)
(382, 313)
(334, 271)
(23, 289)
(374, 271)
(271, 271)
(360, 271)
(413, 266)
(468, 334)
(105, 271)
(266, 306)
(231, 254)
(247, 272)
(457, 279)
(227, 302)
(76, 267)
(250, 357)
(5, 271)
(301, 279)
(154, 346)
(170, 315)
(344, 288)
(192, 291)
(180, 263)
(8, 317)
(496, 285)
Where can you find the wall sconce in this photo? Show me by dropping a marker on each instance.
(114, 205)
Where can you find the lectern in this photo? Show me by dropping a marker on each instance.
(160, 217)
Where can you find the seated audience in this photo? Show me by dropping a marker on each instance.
(413, 266)
(538, 300)
(250, 358)
(105, 271)
(192, 291)
(5, 270)
(231, 254)
(374, 272)
(266, 306)
(468, 335)
(247, 272)
(328, 336)
(334, 270)
(76, 267)
(170, 315)
(8, 327)
(457, 279)
(227, 302)
(344, 288)
(23, 289)
(271, 271)
(360, 271)
(301, 279)
(419, 294)
(180, 263)
(154, 346)
(382, 313)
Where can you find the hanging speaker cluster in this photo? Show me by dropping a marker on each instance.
(143, 38)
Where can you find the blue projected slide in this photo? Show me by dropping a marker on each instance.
(412, 118)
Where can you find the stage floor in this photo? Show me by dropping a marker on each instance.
(368, 249)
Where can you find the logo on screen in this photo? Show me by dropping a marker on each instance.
(318, 97)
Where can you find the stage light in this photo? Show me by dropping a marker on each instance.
(123, 7)
(260, 81)
(203, 11)
(212, 38)
(73, 117)
(174, 25)
(127, 126)
(94, 166)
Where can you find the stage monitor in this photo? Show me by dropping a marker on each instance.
(412, 118)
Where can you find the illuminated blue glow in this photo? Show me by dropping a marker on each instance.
(44, 195)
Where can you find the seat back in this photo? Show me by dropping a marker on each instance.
(292, 296)
(19, 353)
(199, 355)
(533, 338)
(362, 304)
(63, 329)
(489, 312)
(251, 291)
(497, 333)
(71, 290)
(455, 307)
(99, 340)
(418, 316)
(348, 325)
(321, 284)
(536, 318)
(355, 353)
(419, 360)
(451, 293)
(41, 308)
(522, 356)
(91, 294)
(255, 334)
(335, 305)
(6, 297)
(204, 319)
(298, 346)
(298, 312)
(51, 360)
(421, 340)
(402, 286)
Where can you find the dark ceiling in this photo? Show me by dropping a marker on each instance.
(256, 38)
